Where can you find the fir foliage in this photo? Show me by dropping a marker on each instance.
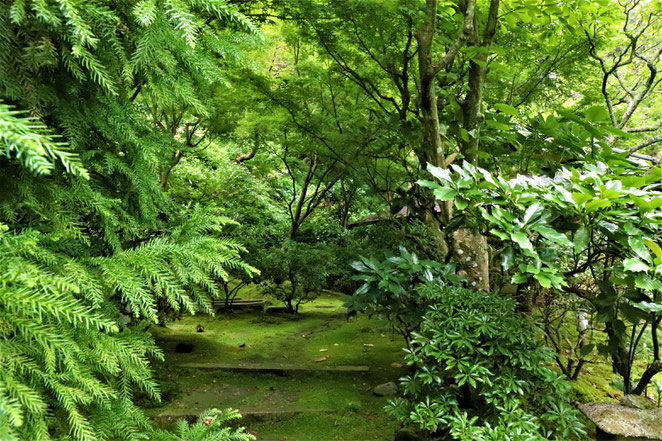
(92, 250)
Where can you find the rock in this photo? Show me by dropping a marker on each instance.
(629, 423)
(637, 402)
(405, 435)
(389, 389)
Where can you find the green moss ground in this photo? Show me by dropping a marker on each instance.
(316, 405)
(307, 406)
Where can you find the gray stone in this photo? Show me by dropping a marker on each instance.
(389, 389)
(625, 422)
(406, 435)
(637, 402)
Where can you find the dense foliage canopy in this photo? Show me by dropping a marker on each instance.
(157, 154)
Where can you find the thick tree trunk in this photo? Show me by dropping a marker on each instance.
(472, 254)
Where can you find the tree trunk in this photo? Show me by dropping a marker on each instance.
(472, 254)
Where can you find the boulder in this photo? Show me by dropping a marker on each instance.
(625, 423)
(389, 389)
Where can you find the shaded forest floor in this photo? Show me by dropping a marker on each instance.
(305, 377)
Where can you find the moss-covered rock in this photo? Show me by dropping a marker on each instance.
(625, 422)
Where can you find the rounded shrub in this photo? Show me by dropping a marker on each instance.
(478, 373)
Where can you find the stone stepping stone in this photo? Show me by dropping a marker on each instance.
(278, 369)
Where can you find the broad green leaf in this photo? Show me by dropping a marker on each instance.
(587, 349)
(581, 198)
(461, 204)
(638, 246)
(522, 240)
(596, 204)
(635, 265)
(498, 125)
(531, 212)
(596, 114)
(520, 278)
(642, 281)
(553, 235)
(543, 280)
(654, 247)
(581, 239)
(507, 109)
(443, 174)
(445, 193)
(649, 307)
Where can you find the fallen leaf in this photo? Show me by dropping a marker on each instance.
(368, 345)
(319, 360)
(397, 365)
(335, 344)
(323, 350)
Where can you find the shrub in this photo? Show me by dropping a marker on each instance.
(390, 288)
(295, 273)
(479, 374)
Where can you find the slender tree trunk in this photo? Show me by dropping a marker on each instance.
(165, 173)
(431, 151)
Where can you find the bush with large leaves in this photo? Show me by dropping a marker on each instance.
(592, 231)
(391, 288)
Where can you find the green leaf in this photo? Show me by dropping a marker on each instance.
(596, 204)
(587, 349)
(507, 109)
(553, 235)
(635, 265)
(445, 193)
(531, 212)
(642, 281)
(581, 198)
(596, 114)
(498, 125)
(638, 246)
(442, 174)
(520, 278)
(654, 247)
(522, 240)
(581, 239)
(649, 307)
(461, 204)
(544, 281)
(632, 314)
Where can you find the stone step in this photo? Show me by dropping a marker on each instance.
(276, 369)
(247, 415)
